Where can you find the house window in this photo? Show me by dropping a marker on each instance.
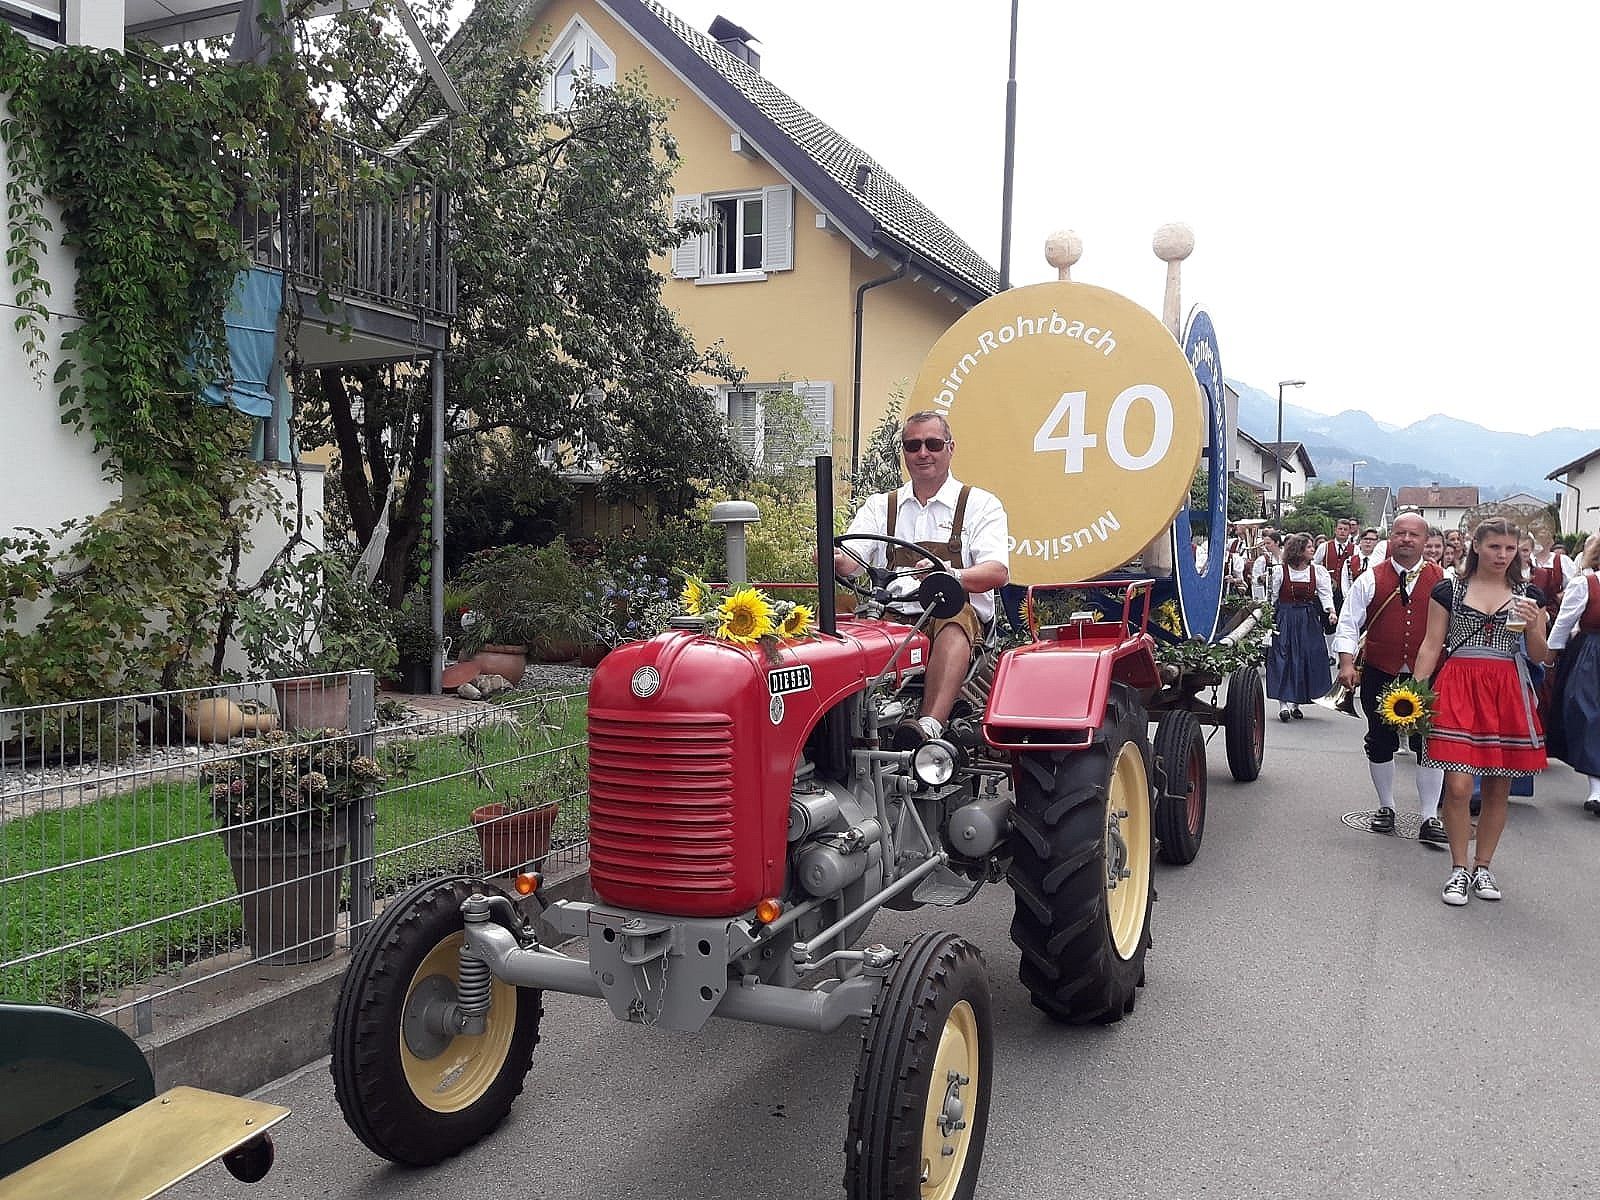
(736, 238)
(576, 52)
(780, 425)
(751, 234)
(40, 21)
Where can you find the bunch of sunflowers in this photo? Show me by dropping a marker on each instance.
(1407, 704)
(746, 615)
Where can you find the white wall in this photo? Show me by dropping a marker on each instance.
(269, 536)
(50, 472)
(1587, 480)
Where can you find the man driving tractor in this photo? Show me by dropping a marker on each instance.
(963, 527)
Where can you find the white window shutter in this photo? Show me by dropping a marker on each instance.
(777, 205)
(818, 398)
(688, 255)
(747, 423)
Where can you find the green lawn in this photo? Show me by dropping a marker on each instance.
(149, 863)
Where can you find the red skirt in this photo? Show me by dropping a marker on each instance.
(1481, 724)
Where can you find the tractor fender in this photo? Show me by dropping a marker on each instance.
(1052, 695)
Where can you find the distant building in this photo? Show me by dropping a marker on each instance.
(1377, 507)
(1525, 498)
(1441, 506)
(1297, 471)
(1580, 492)
(1253, 464)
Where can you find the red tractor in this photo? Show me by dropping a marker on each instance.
(749, 817)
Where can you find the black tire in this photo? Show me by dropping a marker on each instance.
(1244, 723)
(381, 1080)
(1083, 946)
(1180, 757)
(932, 1018)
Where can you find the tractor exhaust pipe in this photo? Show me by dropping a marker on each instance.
(827, 616)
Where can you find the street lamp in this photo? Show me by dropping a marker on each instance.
(1360, 462)
(1277, 511)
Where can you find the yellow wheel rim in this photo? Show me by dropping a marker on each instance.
(1128, 850)
(459, 1074)
(947, 1116)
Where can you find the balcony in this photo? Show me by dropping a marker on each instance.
(364, 242)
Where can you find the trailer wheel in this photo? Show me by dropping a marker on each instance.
(1244, 720)
(1081, 869)
(1180, 754)
(921, 1100)
(413, 1091)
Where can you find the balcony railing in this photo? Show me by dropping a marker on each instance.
(343, 223)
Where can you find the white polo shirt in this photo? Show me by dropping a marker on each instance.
(985, 533)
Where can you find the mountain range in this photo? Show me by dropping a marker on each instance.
(1436, 449)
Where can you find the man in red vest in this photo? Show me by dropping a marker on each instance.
(1389, 604)
(1333, 554)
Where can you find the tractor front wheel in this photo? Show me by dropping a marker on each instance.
(921, 1100)
(411, 1087)
(1081, 869)
(1180, 753)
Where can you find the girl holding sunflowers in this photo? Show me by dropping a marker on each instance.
(1484, 721)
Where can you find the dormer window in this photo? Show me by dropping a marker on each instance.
(577, 51)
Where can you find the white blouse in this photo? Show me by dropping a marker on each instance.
(1303, 575)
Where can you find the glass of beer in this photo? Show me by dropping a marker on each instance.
(1516, 618)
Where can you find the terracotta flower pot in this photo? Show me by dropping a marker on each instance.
(217, 719)
(511, 839)
(508, 661)
(314, 703)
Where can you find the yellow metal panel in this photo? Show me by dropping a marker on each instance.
(143, 1153)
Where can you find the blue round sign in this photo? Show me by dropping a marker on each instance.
(1200, 592)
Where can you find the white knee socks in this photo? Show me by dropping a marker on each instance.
(1430, 785)
(1594, 786)
(1383, 780)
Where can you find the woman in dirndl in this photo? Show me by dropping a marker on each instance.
(1484, 722)
(1297, 665)
(1575, 696)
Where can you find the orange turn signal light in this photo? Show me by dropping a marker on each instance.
(769, 910)
(528, 883)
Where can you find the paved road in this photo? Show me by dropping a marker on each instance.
(1317, 1024)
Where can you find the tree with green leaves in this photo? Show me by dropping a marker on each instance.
(1244, 501)
(563, 352)
(1322, 505)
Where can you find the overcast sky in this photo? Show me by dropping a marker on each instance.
(1397, 207)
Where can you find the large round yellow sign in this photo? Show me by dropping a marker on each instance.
(1077, 408)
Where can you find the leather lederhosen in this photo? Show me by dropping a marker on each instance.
(948, 552)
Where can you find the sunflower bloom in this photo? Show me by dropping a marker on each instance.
(1402, 706)
(693, 597)
(744, 617)
(798, 623)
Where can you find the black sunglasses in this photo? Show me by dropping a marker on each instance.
(912, 445)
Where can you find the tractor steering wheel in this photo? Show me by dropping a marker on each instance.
(880, 577)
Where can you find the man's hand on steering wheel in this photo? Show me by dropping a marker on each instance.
(880, 577)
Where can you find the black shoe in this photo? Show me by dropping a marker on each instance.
(1283, 715)
(1296, 713)
(1592, 806)
(1432, 833)
(1382, 821)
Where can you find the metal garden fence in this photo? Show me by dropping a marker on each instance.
(157, 849)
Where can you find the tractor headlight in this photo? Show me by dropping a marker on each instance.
(934, 762)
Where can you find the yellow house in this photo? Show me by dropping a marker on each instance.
(821, 272)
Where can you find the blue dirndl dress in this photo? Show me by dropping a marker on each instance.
(1297, 664)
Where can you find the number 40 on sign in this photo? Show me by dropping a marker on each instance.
(1072, 409)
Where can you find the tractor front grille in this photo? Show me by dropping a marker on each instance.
(661, 819)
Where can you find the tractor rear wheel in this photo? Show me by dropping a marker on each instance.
(921, 1100)
(1180, 754)
(1081, 869)
(410, 1087)
(1244, 721)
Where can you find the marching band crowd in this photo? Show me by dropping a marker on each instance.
(1495, 637)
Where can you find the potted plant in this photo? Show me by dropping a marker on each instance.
(414, 642)
(516, 829)
(312, 624)
(626, 602)
(283, 808)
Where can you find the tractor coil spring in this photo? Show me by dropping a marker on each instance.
(473, 988)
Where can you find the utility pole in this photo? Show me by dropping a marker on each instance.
(1011, 157)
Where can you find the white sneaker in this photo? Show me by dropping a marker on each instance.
(1484, 886)
(1455, 888)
